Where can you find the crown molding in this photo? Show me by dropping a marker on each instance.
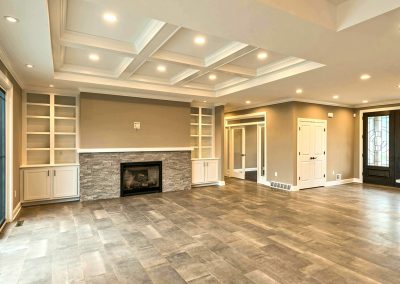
(383, 103)
(135, 95)
(286, 100)
(7, 62)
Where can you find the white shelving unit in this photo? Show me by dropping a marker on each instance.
(50, 143)
(204, 164)
(202, 132)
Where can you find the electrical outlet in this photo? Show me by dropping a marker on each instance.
(276, 174)
(338, 176)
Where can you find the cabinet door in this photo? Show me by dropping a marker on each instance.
(211, 171)
(37, 184)
(65, 182)
(198, 172)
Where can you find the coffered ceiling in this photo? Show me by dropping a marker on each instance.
(225, 52)
(130, 48)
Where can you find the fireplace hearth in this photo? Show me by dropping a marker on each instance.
(141, 178)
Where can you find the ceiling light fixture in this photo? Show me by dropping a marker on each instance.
(262, 55)
(204, 101)
(299, 91)
(212, 77)
(30, 66)
(161, 68)
(365, 77)
(248, 102)
(335, 97)
(94, 57)
(11, 19)
(364, 101)
(109, 17)
(51, 86)
(200, 40)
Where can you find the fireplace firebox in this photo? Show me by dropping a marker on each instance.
(141, 178)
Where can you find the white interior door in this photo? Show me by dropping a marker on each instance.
(237, 152)
(311, 147)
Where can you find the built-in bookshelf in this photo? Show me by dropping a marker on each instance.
(202, 132)
(50, 129)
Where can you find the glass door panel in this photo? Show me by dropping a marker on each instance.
(238, 152)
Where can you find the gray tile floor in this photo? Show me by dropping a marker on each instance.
(240, 233)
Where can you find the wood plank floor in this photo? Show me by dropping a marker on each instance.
(240, 233)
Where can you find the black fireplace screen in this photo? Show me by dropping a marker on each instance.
(142, 177)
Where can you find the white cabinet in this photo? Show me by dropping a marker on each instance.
(50, 183)
(205, 171)
(65, 182)
(37, 184)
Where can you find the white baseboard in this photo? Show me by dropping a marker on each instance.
(342, 181)
(250, 169)
(16, 211)
(221, 183)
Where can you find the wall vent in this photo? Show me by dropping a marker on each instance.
(280, 185)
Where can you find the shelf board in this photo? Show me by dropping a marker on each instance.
(194, 135)
(67, 106)
(38, 133)
(194, 114)
(65, 133)
(208, 115)
(206, 147)
(63, 149)
(194, 124)
(38, 149)
(47, 165)
(208, 136)
(38, 116)
(65, 118)
(37, 104)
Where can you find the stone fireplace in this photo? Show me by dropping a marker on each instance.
(100, 171)
(141, 177)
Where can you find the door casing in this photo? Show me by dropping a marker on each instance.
(301, 185)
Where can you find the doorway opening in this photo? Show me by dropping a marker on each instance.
(3, 201)
(245, 147)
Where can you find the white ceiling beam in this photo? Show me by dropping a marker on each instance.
(238, 70)
(158, 39)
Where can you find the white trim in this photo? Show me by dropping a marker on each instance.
(221, 183)
(339, 182)
(360, 150)
(123, 150)
(6, 84)
(7, 62)
(16, 211)
(250, 169)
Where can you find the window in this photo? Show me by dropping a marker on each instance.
(378, 141)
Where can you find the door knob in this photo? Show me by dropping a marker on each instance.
(243, 155)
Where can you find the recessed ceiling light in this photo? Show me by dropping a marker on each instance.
(161, 68)
(335, 97)
(398, 86)
(204, 101)
(11, 19)
(365, 77)
(200, 40)
(29, 66)
(94, 57)
(262, 55)
(51, 86)
(248, 102)
(212, 77)
(109, 17)
(364, 101)
(299, 91)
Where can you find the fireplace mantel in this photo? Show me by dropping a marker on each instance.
(128, 150)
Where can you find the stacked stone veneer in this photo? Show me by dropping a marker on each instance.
(100, 172)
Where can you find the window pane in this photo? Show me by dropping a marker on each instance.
(378, 141)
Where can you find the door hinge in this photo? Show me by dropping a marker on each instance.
(324, 129)
(324, 175)
(299, 178)
(324, 152)
(299, 128)
(299, 154)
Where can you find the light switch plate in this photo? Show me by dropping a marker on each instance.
(136, 125)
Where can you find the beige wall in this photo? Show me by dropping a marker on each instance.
(107, 122)
(282, 138)
(280, 142)
(17, 132)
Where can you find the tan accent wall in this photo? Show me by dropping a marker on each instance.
(282, 138)
(17, 132)
(340, 136)
(107, 122)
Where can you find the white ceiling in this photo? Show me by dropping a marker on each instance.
(304, 49)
